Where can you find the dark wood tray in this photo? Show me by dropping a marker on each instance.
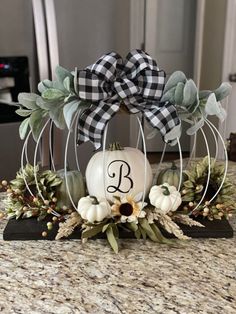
(31, 229)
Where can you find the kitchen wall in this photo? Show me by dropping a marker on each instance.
(212, 58)
(16, 39)
(87, 30)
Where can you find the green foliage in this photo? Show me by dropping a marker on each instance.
(20, 203)
(58, 101)
(194, 106)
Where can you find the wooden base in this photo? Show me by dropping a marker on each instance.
(31, 229)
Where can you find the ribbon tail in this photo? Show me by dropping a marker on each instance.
(92, 122)
(164, 117)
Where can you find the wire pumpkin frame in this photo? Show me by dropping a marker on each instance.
(73, 129)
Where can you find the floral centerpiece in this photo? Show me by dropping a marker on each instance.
(118, 192)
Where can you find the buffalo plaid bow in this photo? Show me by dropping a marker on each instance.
(136, 82)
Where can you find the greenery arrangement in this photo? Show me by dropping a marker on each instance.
(165, 207)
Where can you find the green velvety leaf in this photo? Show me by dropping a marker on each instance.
(69, 111)
(204, 94)
(53, 94)
(174, 79)
(169, 95)
(111, 239)
(173, 134)
(43, 104)
(159, 235)
(36, 123)
(62, 73)
(143, 233)
(115, 230)
(132, 226)
(45, 84)
(23, 112)
(150, 233)
(193, 129)
(28, 100)
(179, 93)
(223, 91)
(190, 93)
(24, 128)
(92, 232)
(137, 234)
(213, 107)
(57, 116)
(66, 84)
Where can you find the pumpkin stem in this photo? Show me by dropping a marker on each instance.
(173, 166)
(165, 190)
(94, 200)
(115, 146)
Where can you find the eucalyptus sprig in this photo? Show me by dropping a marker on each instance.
(58, 101)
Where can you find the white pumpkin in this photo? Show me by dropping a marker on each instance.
(122, 173)
(165, 197)
(93, 209)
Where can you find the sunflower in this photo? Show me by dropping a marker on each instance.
(128, 209)
(193, 188)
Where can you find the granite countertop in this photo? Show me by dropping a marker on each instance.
(197, 276)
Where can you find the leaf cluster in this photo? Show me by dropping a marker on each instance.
(20, 203)
(193, 106)
(58, 101)
(195, 185)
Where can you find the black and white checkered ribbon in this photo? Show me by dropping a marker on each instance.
(136, 82)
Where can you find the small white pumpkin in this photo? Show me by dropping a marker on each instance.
(165, 197)
(120, 173)
(93, 209)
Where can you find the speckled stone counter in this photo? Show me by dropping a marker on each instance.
(198, 276)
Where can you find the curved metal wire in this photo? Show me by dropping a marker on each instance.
(50, 146)
(75, 141)
(208, 173)
(103, 158)
(226, 159)
(22, 162)
(145, 162)
(35, 165)
(65, 160)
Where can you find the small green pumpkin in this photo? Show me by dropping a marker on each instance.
(170, 175)
(76, 185)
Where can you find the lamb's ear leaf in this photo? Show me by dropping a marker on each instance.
(222, 91)
(179, 93)
(174, 79)
(23, 112)
(193, 129)
(190, 93)
(169, 95)
(204, 94)
(57, 116)
(62, 73)
(53, 94)
(28, 100)
(213, 107)
(69, 110)
(24, 128)
(43, 85)
(173, 134)
(36, 123)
